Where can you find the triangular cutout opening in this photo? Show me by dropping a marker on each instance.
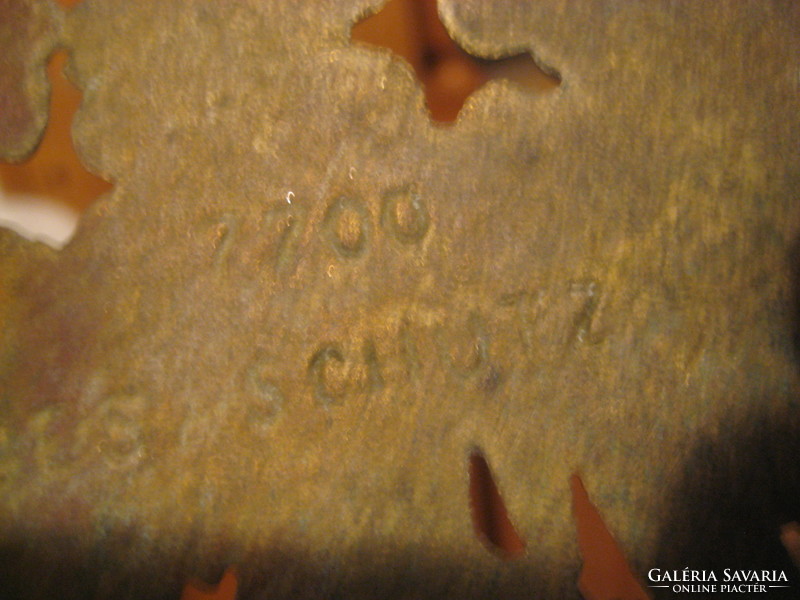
(489, 514)
(449, 75)
(605, 574)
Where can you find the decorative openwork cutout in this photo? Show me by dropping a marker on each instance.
(489, 514)
(449, 75)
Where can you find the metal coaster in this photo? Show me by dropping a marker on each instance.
(304, 305)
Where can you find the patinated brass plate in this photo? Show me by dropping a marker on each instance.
(28, 33)
(278, 339)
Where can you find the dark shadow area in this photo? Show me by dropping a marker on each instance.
(738, 490)
(57, 568)
(449, 75)
(794, 315)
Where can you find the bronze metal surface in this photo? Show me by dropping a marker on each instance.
(28, 33)
(280, 337)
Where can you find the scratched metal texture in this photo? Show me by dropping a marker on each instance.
(276, 342)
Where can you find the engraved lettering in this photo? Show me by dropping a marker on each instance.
(286, 220)
(492, 380)
(589, 292)
(222, 235)
(114, 431)
(328, 374)
(268, 403)
(405, 215)
(9, 464)
(347, 226)
(468, 351)
(44, 445)
(527, 306)
(375, 379)
(409, 350)
(542, 321)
